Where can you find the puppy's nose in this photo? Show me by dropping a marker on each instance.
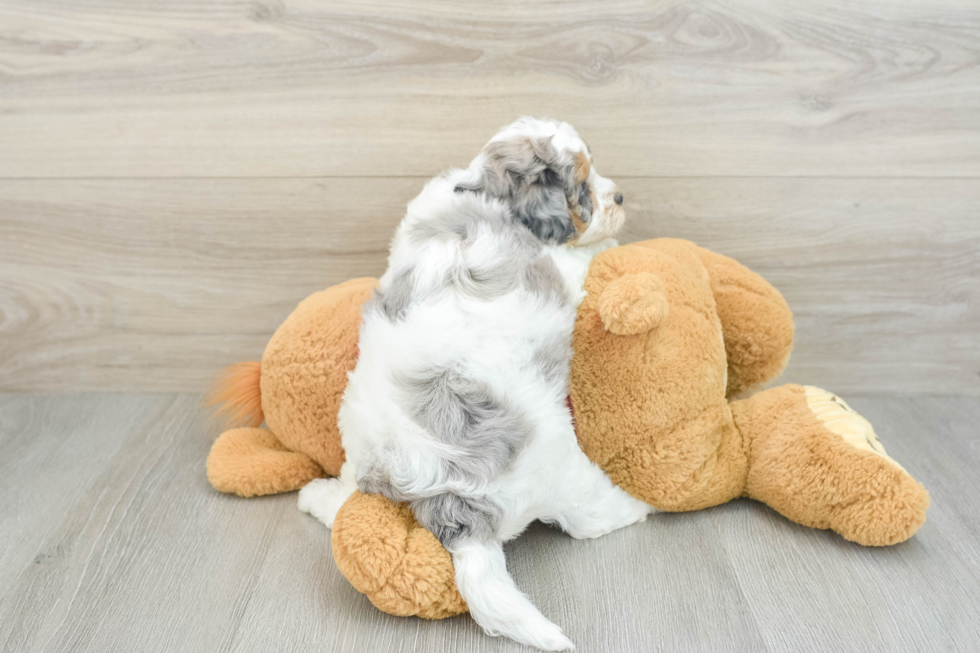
(618, 199)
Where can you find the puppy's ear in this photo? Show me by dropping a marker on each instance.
(529, 176)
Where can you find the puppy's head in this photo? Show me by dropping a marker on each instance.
(544, 172)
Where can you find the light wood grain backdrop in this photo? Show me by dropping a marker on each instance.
(174, 177)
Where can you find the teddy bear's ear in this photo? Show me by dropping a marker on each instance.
(633, 304)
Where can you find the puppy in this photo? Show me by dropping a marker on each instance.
(457, 403)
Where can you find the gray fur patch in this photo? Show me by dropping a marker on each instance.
(585, 201)
(447, 516)
(538, 275)
(450, 517)
(518, 262)
(527, 175)
(374, 481)
(522, 266)
(542, 276)
(485, 432)
(394, 301)
(459, 225)
(487, 282)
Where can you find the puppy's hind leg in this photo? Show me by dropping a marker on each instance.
(323, 497)
(494, 600)
(589, 504)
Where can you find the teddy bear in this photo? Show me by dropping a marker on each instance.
(668, 343)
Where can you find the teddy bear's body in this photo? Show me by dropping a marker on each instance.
(668, 333)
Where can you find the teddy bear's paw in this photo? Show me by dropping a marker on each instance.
(323, 497)
(842, 420)
(878, 503)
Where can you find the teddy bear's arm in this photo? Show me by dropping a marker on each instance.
(757, 324)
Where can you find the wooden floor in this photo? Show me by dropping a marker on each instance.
(114, 541)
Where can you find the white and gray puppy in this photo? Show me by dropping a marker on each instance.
(457, 403)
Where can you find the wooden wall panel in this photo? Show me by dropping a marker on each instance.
(115, 88)
(156, 284)
(175, 176)
(883, 276)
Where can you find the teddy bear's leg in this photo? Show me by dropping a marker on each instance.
(323, 497)
(252, 462)
(818, 462)
(386, 555)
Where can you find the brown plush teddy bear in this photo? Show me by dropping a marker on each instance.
(667, 334)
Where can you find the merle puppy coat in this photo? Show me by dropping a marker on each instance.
(457, 403)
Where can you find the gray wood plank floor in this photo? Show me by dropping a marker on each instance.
(112, 540)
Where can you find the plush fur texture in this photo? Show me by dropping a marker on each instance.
(771, 447)
(253, 462)
(758, 336)
(299, 385)
(682, 355)
(814, 477)
(401, 566)
(650, 406)
(457, 403)
(305, 368)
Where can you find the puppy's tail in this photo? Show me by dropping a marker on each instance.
(494, 600)
(238, 393)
